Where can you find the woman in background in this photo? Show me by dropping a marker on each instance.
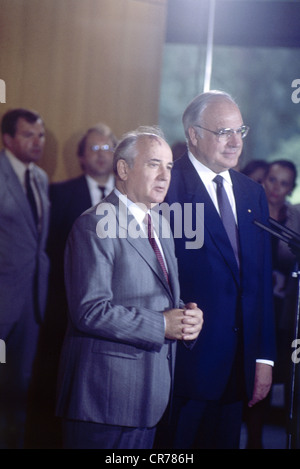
(279, 182)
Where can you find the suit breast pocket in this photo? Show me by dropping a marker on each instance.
(116, 349)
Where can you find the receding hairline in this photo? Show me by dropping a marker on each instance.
(152, 137)
(129, 145)
(196, 108)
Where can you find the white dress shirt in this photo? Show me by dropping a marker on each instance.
(207, 175)
(139, 215)
(20, 168)
(93, 187)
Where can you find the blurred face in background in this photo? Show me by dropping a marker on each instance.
(258, 175)
(28, 142)
(278, 183)
(97, 159)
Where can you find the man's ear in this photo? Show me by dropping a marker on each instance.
(122, 169)
(193, 135)
(7, 139)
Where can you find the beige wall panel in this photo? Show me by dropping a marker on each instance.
(78, 62)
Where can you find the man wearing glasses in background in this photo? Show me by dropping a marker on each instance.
(69, 199)
(229, 278)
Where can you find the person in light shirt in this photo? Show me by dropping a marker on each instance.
(229, 277)
(69, 199)
(125, 313)
(24, 265)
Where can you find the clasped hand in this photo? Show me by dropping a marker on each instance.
(183, 324)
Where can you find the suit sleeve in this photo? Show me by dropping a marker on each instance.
(268, 346)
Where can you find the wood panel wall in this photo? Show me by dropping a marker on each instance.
(78, 62)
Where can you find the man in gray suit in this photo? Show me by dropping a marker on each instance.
(125, 312)
(24, 213)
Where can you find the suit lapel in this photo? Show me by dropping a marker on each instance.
(213, 226)
(127, 225)
(17, 193)
(169, 253)
(245, 214)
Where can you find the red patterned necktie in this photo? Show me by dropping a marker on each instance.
(155, 246)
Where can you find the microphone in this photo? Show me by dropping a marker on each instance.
(284, 233)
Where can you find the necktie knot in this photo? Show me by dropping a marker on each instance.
(102, 192)
(218, 180)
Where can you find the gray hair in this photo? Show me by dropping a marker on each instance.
(193, 113)
(127, 146)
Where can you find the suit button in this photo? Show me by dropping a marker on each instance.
(235, 329)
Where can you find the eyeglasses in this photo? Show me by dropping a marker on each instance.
(105, 147)
(226, 134)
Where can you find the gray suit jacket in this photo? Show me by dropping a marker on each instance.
(22, 247)
(116, 365)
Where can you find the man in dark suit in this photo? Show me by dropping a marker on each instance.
(125, 313)
(23, 264)
(229, 280)
(71, 198)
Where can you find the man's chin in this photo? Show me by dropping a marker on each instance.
(158, 200)
(33, 157)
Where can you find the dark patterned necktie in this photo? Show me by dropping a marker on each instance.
(227, 216)
(30, 196)
(155, 247)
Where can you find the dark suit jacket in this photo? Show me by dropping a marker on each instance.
(69, 199)
(116, 365)
(22, 247)
(233, 304)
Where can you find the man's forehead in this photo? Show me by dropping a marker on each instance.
(24, 124)
(222, 110)
(152, 144)
(150, 140)
(97, 135)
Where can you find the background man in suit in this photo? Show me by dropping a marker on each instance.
(125, 314)
(23, 263)
(230, 282)
(69, 199)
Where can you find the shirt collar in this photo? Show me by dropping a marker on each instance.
(18, 166)
(206, 174)
(109, 185)
(137, 212)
